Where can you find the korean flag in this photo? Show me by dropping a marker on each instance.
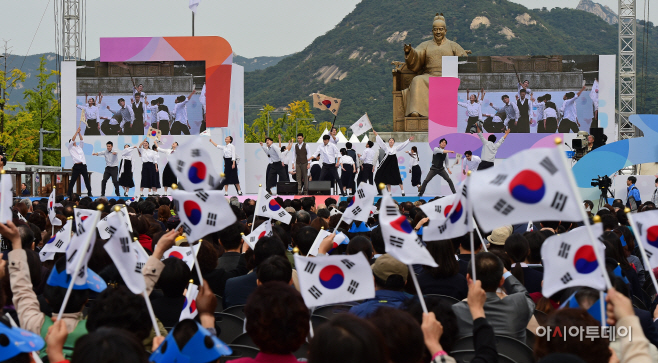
(530, 185)
(203, 212)
(361, 126)
(182, 253)
(334, 279)
(358, 208)
(264, 230)
(268, 207)
(193, 166)
(646, 225)
(454, 221)
(57, 243)
(124, 255)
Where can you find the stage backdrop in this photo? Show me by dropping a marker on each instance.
(224, 94)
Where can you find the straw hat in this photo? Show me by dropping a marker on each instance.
(499, 235)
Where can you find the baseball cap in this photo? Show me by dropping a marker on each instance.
(386, 266)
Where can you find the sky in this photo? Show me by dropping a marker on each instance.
(252, 27)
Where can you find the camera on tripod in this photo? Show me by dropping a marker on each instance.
(602, 182)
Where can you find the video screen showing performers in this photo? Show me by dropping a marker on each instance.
(131, 98)
(528, 94)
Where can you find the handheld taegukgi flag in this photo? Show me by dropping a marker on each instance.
(104, 228)
(326, 103)
(52, 215)
(193, 166)
(263, 230)
(154, 134)
(338, 240)
(646, 225)
(183, 253)
(203, 212)
(358, 208)
(85, 236)
(456, 219)
(194, 4)
(530, 185)
(400, 239)
(334, 279)
(189, 307)
(6, 198)
(82, 215)
(123, 253)
(361, 125)
(268, 207)
(436, 210)
(570, 260)
(57, 243)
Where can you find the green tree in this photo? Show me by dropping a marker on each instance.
(257, 131)
(44, 107)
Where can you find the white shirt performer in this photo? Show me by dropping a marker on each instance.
(111, 168)
(329, 154)
(79, 163)
(439, 167)
(489, 149)
(470, 161)
(473, 110)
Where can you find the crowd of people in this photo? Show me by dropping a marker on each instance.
(466, 320)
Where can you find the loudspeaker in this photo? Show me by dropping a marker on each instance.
(322, 187)
(286, 188)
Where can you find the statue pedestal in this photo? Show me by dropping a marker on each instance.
(411, 124)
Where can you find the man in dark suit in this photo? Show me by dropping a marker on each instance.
(231, 239)
(508, 316)
(465, 253)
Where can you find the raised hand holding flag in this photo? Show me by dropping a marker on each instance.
(361, 125)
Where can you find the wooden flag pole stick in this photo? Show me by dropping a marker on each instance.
(196, 263)
(260, 191)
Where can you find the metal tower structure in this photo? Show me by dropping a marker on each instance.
(627, 68)
(71, 30)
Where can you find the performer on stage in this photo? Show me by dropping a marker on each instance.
(334, 136)
(347, 175)
(541, 119)
(489, 149)
(91, 114)
(276, 168)
(301, 155)
(168, 176)
(470, 161)
(315, 170)
(79, 163)
(138, 89)
(368, 160)
(150, 176)
(474, 110)
(496, 122)
(522, 124)
(570, 113)
(127, 117)
(415, 168)
(388, 171)
(139, 111)
(181, 125)
(523, 86)
(594, 96)
(285, 159)
(511, 111)
(230, 165)
(550, 115)
(202, 101)
(126, 178)
(164, 117)
(439, 166)
(328, 153)
(111, 168)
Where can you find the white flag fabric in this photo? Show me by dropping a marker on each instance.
(268, 207)
(205, 132)
(530, 185)
(81, 215)
(105, 229)
(20, 217)
(193, 166)
(456, 219)
(646, 225)
(57, 243)
(313, 251)
(569, 260)
(264, 230)
(203, 212)
(52, 215)
(359, 205)
(400, 239)
(183, 253)
(436, 210)
(189, 308)
(362, 125)
(122, 252)
(85, 229)
(194, 4)
(142, 256)
(334, 279)
(6, 198)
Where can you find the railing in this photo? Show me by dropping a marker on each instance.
(42, 183)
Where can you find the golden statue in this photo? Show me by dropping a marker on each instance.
(426, 60)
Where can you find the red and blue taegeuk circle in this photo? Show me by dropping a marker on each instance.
(327, 103)
(652, 236)
(274, 206)
(454, 217)
(51, 239)
(402, 224)
(154, 133)
(192, 211)
(262, 234)
(331, 277)
(585, 260)
(192, 305)
(527, 187)
(176, 254)
(197, 172)
(351, 201)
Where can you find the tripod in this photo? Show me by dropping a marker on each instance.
(603, 200)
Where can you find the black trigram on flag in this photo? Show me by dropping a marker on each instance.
(499, 179)
(502, 207)
(438, 208)
(649, 253)
(59, 243)
(310, 267)
(564, 250)
(110, 230)
(396, 241)
(79, 229)
(391, 210)
(125, 244)
(443, 227)
(559, 201)
(267, 196)
(361, 194)
(139, 266)
(196, 153)
(202, 195)
(639, 228)
(315, 292)
(180, 166)
(353, 286)
(548, 165)
(212, 219)
(464, 191)
(186, 228)
(356, 210)
(72, 255)
(566, 278)
(282, 213)
(349, 264)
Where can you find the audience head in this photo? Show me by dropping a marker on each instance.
(359, 341)
(390, 274)
(488, 269)
(274, 268)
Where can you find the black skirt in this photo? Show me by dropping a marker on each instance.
(347, 176)
(415, 175)
(315, 172)
(150, 177)
(230, 174)
(92, 129)
(168, 177)
(126, 179)
(388, 171)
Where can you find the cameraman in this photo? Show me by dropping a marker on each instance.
(633, 199)
(590, 145)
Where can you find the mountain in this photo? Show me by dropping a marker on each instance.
(353, 60)
(256, 63)
(602, 11)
